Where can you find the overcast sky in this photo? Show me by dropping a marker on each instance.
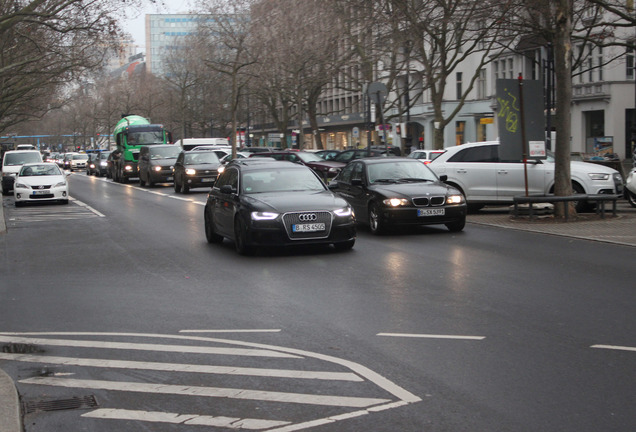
(136, 25)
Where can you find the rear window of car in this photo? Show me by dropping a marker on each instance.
(12, 159)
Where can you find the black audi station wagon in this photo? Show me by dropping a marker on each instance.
(397, 191)
(263, 202)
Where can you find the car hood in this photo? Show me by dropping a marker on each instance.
(297, 201)
(412, 189)
(589, 167)
(41, 180)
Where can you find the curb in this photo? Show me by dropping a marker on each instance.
(10, 407)
(3, 225)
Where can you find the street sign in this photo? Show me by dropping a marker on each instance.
(377, 92)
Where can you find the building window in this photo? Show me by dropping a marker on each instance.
(458, 78)
(511, 69)
(481, 84)
(600, 63)
(629, 64)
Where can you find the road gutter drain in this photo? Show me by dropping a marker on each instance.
(76, 402)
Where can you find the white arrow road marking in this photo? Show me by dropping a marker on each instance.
(188, 419)
(230, 393)
(177, 367)
(146, 347)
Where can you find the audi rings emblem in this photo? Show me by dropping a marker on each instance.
(307, 217)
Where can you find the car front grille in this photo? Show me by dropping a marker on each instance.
(429, 201)
(309, 217)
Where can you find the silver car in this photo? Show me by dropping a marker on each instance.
(483, 178)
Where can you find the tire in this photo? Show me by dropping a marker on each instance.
(5, 191)
(456, 226)
(210, 235)
(150, 182)
(240, 237)
(19, 203)
(142, 182)
(185, 188)
(344, 246)
(177, 189)
(631, 198)
(580, 206)
(65, 201)
(375, 222)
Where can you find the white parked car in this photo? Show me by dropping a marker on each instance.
(11, 164)
(38, 182)
(483, 178)
(425, 156)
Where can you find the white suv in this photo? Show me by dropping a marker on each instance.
(477, 171)
(11, 164)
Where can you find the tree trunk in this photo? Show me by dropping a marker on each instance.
(563, 72)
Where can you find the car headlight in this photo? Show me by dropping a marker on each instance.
(264, 216)
(454, 199)
(20, 186)
(598, 176)
(396, 202)
(221, 169)
(103, 164)
(344, 212)
(128, 168)
(190, 171)
(157, 168)
(60, 184)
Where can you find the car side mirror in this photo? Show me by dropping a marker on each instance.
(333, 185)
(227, 189)
(443, 178)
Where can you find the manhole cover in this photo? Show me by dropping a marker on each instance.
(77, 402)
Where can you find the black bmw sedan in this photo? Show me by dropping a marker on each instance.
(389, 192)
(264, 202)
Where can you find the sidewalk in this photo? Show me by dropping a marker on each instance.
(618, 230)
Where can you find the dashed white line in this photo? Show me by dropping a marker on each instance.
(615, 347)
(431, 336)
(86, 206)
(232, 331)
(217, 392)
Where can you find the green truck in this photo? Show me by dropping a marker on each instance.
(130, 133)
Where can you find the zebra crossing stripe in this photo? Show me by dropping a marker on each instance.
(177, 367)
(148, 347)
(186, 419)
(218, 392)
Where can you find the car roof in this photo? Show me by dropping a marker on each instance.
(260, 162)
(377, 160)
(38, 163)
(22, 151)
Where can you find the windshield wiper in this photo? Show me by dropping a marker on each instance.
(384, 181)
(414, 179)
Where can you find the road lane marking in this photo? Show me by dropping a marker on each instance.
(146, 347)
(614, 347)
(187, 419)
(86, 206)
(363, 371)
(216, 392)
(232, 331)
(178, 367)
(431, 336)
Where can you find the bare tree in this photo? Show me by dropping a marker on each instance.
(46, 44)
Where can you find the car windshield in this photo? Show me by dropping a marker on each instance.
(104, 155)
(21, 158)
(80, 157)
(167, 152)
(39, 170)
(281, 180)
(399, 171)
(149, 137)
(201, 158)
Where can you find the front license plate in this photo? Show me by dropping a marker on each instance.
(308, 227)
(169, 179)
(40, 192)
(206, 180)
(431, 212)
